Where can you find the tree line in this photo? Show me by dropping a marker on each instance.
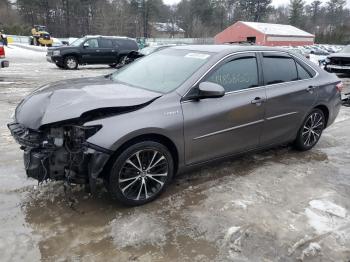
(329, 21)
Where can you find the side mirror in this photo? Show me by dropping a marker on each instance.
(210, 90)
(86, 45)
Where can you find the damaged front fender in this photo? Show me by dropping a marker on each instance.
(97, 163)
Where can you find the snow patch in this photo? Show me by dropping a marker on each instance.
(325, 216)
(316, 58)
(242, 204)
(277, 29)
(312, 250)
(138, 230)
(229, 234)
(328, 207)
(343, 116)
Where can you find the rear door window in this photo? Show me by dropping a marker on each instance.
(105, 43)
(279, 69)
(238, 74)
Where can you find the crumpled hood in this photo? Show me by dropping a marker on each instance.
(69, 99)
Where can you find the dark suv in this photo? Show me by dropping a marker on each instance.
(92, 50)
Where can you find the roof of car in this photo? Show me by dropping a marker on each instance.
(226, 48)
(111, 37)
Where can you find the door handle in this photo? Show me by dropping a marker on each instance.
(311, 89)
(258, 101)
(98, 51)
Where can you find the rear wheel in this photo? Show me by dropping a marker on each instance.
(71, 63)
(120, 63)
(311, 130)
(141, 173)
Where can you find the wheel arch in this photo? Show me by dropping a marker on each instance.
(154, 137)
(325, 111)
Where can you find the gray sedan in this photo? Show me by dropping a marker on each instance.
(172, 110)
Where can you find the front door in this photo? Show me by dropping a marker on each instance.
(91, 52)
(290, 96)
(219, 127)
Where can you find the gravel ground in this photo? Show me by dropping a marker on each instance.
(277, 205)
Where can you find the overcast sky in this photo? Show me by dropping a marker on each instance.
(274, 2)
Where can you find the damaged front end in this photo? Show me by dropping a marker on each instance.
(51, 126)
(337, 63)
(61, 153)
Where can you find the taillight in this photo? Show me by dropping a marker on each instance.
(2, 52)
(339, 87)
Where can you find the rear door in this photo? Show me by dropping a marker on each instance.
(290, 96)
(107, 51)
(223, 126)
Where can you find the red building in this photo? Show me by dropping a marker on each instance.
(265, 34)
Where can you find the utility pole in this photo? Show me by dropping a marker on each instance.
(144, 18)
(66, 16)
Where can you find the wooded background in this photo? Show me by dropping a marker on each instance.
(329, 21)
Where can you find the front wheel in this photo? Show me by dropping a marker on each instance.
(141, 173)
(311, 130)
(71, 63)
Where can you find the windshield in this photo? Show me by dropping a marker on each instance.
(163, 71)
(346, 49)
(78, 42)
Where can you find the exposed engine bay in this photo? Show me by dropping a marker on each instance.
(58, 153)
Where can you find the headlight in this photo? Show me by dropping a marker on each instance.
(56, 53)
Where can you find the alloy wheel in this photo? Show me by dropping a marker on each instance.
(312, 129)
(143, 175)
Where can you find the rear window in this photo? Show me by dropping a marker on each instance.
(279, 69)
(127, 44)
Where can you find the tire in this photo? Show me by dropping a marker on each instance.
(311, 130)
(140, 173)
(120, 63)
(71, 62)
